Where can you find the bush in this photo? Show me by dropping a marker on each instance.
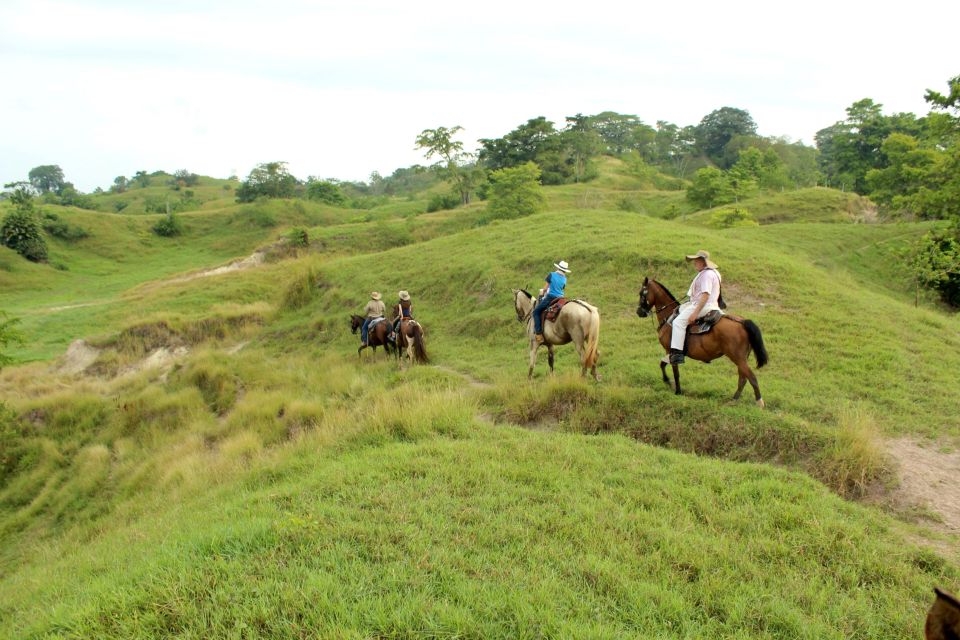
(515, 192)
(732, 217)
(325, 191)
(21, 232)
(441, 202)
(59, 228)
(298, 237)
(168, 226)
(120, 205)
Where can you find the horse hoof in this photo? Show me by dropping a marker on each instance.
(760, 403)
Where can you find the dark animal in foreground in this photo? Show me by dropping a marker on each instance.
(377, 336)
(943, 620)
(732, 336)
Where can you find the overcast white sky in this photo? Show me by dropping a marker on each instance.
(107, 87)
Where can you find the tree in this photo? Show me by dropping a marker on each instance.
(515, 192)
(455, 165)
(935, 263)
(325, 191)
(142, 179)
(119, 184)
(47, 178)
(718, 127)
(710, 187)
(20, 229)
(583, 141)
(269, 180)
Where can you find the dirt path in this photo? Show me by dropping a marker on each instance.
(255, 259)
(472, 382)
(929, 479)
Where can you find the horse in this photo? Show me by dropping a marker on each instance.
(943, 619)
(410, 338)
(577, 322)
(732, 336)
(377, 336)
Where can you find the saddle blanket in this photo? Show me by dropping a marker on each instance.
(550, 315)
(703, 324)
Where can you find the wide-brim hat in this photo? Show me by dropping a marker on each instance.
(404, 295)
(375, 295)
(706, 258)
(562, 266)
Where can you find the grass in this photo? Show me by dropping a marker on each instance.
(288, 489)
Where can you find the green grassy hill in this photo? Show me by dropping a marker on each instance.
(265, 482)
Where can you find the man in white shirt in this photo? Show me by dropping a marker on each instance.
(704, 294)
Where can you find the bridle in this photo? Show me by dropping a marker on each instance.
(516, 307)
(643, 309)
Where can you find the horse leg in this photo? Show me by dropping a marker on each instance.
(550, 356)
(362, 347)
(533, 360)
(742, 381)
(676, 379)
(663, 371)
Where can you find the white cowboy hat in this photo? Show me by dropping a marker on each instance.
(375, 295)
(705, 255)
(404, 295)
(562, 266)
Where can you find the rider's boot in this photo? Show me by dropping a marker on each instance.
(676, 356)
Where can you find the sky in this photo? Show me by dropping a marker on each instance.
(341, 89)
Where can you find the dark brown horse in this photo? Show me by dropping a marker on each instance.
(732, 336)
(943, 620)
(410, 339)
(378, 336)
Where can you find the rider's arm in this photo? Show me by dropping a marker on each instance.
(698, 304)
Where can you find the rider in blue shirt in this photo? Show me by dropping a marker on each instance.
(556, 282)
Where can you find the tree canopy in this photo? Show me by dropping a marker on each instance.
(268, 180)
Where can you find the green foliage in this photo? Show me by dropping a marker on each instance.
(732, 217)
(182, 179)
(441, 201)
(20, 229)
(60, 228)
(515, 192)
(710, 187)
(119, 184)
(268, 180)
(454, 165)
(168, 226)
(324, 191)
(719, 127)
(298, 237)
(47, 178)
(935, 263)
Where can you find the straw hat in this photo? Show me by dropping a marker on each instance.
(404, 295)
(375, 295)
(706, 258)
(562, 266)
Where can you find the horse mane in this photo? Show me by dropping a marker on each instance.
(667, 291)
(527, 293)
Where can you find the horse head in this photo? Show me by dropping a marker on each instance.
(355, 322)
(522, 303)
(645, 304)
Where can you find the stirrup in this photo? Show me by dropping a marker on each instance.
(539, 338)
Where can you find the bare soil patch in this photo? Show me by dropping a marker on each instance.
(929, 479)
(255, 259)
(78, 357)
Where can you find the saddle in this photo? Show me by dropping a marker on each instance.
(375, 322)
(702, 325)
(550, 315)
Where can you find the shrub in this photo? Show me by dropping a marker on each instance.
(168, 226)
(441, 202)
(732, 217)
(59, 228)
(20, 230)
(710, 187)
(120, 205)
(298, 237)
(515, 192)
(325, 191)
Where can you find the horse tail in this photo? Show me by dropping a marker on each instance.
(593, 338)
(419, 349)
(756, 342)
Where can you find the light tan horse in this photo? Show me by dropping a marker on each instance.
(578, 322)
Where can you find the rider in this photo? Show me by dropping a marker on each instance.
(402, 310)
(556, 281)
(374, 309)
(704, 294)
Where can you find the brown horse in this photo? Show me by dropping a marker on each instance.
(410, 339)
(943, 620)
(377, 336)
(732, 336)
(578, 322)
